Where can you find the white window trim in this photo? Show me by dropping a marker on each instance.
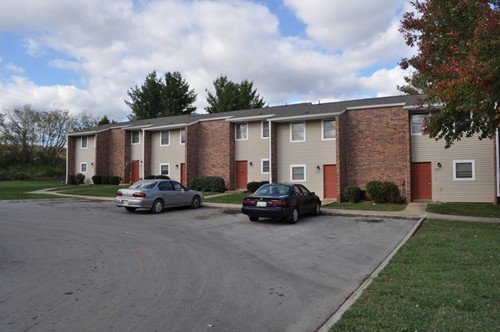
(262, 130)
(161, 136)
(87, 142)
(323, 130)
(262, 166)
(164, 164)
(236, 132)
(132, 137)
(180, 136)
(291, 132)
(472, 162)
(86, 167)
(291, 172)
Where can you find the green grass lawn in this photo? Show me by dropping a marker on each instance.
(11, 190)
(445, 278)
(101, 190)
(466, 209)
(366, 206)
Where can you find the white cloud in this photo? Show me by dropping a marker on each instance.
(111, 46)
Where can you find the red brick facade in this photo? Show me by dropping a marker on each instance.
(374, 144)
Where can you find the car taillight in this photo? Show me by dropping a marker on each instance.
(248, 202)
(139, 194)
(277, 203)
(119, 193)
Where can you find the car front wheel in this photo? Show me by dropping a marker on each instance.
(294, 217)
(317, 210)
(195, 202)
(157, 206)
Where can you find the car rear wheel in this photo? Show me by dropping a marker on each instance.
(195, 202)
(253, 218)
(130, 209)
(317, 210)
(157, 206)
(294, 217)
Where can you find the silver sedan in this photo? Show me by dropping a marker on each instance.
(156, 195)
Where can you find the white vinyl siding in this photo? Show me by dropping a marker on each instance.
(171, 155)
(254, 150)
(86, 156)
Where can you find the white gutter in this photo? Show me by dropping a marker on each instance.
(250, 118)
(375, 106)
(305, 117)
(171, 126)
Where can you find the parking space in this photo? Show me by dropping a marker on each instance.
(82, 265)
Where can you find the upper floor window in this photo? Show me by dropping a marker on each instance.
(417, 123)
(265, 129)
(165, 137)
(135, 137)
(85, 142)
(298, 132)
(241, 131)
(182, 136)
(464, 170)
(329, 131)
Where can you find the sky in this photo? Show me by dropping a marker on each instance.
(84, 55)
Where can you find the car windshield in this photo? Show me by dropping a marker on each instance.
(272, 190)
(143, 185)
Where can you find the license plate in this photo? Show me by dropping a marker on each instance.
(261, 204)
(125, 202)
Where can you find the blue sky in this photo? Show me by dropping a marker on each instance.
(83, 55)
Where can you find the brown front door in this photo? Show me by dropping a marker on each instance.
(136, 173)
(183, 174)
(330, 181)
(241, 174)
(421, 181)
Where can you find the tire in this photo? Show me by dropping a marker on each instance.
(195, 202)
(253, 218)
(130, 209)
(294, 217)
(317, 210)
(157, 206)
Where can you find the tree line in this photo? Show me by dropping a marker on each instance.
(171, 95)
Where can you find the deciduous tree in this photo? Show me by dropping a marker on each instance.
(457, 65)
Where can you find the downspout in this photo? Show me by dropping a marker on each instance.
(270, 151)
(67, 158)
(497, 136)
(141, 163)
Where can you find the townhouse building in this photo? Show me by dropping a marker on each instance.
(326, 146)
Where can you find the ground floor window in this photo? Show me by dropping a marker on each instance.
(298, 172)
(265, 166)
(165, 169)
(463, 170)
(83, 168)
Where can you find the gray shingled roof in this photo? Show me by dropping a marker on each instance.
(274, 112)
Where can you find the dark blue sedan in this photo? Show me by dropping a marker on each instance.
(283, 201)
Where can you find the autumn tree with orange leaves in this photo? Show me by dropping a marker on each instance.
(457, 65)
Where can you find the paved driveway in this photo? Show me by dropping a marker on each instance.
(69, 265)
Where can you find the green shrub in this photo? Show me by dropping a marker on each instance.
(80, 178)
(105, 179)
(166, 177)
(114, 180)
(352, 194)
(383, 192)
(72, 179)
(149, 177)
(208, 183)
(254, 185)
(97, 179)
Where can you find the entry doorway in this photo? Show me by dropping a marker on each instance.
(421, 181)
(241, 174)
(330, 181)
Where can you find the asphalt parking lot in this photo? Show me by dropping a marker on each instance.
(77, 265)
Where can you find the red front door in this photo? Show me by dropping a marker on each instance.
(136, 171)
(330, 181)
(421, 181)
(183, 174)
(241, 174)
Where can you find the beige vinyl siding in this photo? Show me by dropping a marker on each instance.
(254, 149)
(86, 155)
(313, 152)
(136, 149)
(173, 154)
(444, 188)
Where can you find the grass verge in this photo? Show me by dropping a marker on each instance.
(446, 278)
(366, 206)
(12, 190)
(466, 209)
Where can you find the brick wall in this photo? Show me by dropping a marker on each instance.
(374, 144)
(210, 151)
(147, 153)
(71, 156)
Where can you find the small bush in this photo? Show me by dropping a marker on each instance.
(352, 194)
(105, 179)
(72, 179)
(254, 185)
(149, 177)
(166, 177)
(80, 178)
(208, 183)
(114, 180)
(97, 179)
(383, 192)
